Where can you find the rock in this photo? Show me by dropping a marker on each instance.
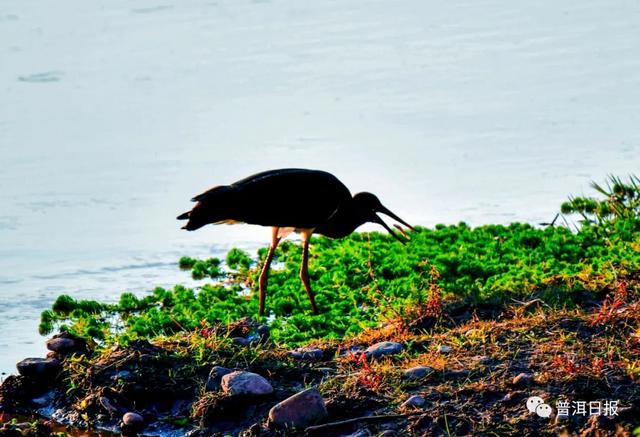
(300, 410)
(132, 422)
(522, 379)
(417, 372)
(60, 345)
(16, 391)
(241, 341)
(38, 367)
(65, 344)
(245, 383)
(215, 377)
(44, 400)
(263, 332)
(132, 419)
(414, 401)
(383, 348)
(124, 375)
(444, 349)
(307, 353)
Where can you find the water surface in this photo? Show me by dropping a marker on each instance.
(113, 114)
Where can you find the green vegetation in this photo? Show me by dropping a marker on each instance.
(201, 268)
(369, 278)
(621, 201)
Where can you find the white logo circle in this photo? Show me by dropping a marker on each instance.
(533, 402)
(543, 410)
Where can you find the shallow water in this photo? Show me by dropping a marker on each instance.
(112, 115)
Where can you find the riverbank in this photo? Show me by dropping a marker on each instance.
(470, 373)
(451, 334)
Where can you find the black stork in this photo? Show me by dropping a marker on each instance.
(290, 200)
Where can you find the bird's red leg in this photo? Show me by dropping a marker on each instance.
(264, 275)
(304, 270)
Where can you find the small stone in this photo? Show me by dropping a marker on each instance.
(60, 345)
(383, 348)
(215, 377)
(522, 379)
(414, 401)
(245, 383)
(417, 372)
(65, 344)
(124, 375)
(263, 332)
(300, 410)
(38, 367)
(241, 341)
(132, 421)
(444, 349)
(307, 354)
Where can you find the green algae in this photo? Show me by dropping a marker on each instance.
(369, 278)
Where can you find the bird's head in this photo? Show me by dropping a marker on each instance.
(368, 205)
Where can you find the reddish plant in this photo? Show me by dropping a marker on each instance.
(567, 364)
(597, 364)
(205, 330)
(611, 304)
(368, 377)
(434, 301)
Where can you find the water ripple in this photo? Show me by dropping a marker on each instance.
(47, 76)
(89, 272)
(151, 9)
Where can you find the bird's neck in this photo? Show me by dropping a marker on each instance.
(342, 223)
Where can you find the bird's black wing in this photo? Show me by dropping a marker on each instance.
(290, 197)
(211, 192)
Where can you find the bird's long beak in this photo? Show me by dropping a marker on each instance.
(386, 211)
(378, 220)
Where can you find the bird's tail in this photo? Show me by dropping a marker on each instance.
(213, 206)
(195, 217)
